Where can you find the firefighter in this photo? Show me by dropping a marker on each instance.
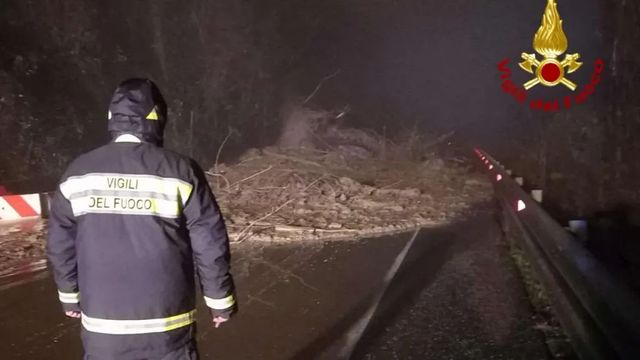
(127, 223)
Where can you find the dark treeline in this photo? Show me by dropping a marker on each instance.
(222, 65)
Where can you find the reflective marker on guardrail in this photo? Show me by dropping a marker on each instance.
(536, 195)
(579, 228)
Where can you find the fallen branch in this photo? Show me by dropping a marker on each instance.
(300, 179)
(249, 159)
(328, 77)
(268, 190)
(392, 184)
(337, 231)
(301, 229)
(239, 237)
(252, 176)
(215, 167)
(292, 158)
(439, 140)
(219, 175)
(289, 228)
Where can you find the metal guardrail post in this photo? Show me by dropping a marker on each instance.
(45, 205)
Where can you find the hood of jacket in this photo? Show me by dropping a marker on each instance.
(137, 108)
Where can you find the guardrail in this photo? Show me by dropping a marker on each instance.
(599, 313)
(25, 206)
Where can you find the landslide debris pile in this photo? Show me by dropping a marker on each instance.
(341, 189)
(279, 195)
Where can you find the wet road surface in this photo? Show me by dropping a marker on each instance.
(454, 296)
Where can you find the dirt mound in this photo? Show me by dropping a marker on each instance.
(280, 195)
(285, 195)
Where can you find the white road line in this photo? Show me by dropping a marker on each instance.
(357, 330)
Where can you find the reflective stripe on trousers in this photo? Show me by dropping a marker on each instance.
(69, 298)
(129, 327)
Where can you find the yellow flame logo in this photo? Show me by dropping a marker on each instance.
(550, 41)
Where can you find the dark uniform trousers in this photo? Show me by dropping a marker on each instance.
(187, 352)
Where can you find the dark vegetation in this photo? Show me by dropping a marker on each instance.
(221, 65)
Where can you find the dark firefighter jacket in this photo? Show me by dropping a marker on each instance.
(126, 224)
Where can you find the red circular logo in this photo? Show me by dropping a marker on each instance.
(550, 72)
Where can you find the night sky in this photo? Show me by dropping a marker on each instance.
(434, 63)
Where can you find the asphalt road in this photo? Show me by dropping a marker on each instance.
(454, 295)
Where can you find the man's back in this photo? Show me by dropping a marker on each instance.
(129, 198)
(126, 223)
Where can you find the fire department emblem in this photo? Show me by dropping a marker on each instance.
(550, 42)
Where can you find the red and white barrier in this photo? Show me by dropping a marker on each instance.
(15, 207)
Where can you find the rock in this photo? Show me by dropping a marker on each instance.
(339, 207)
(348, 182)
(396, 192)
(250, 154)
(342, 197)
(381, 192)
(368, 190)
(409, 192)
(334, 226)
(368, 204)
(471, 182)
